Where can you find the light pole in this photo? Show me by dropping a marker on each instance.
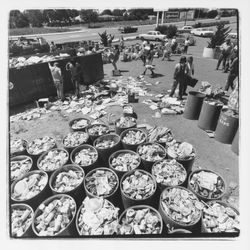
(185, 18)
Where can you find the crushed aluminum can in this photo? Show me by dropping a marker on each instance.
(100, 221)
(138, 185)
(169, 173)
(21, 219)
(151, 152)
(101, 182)
(67, 180)
(181, 205)
(134, 137)
(140, 221)
(29, 186)
(55, 216)
(125, 162)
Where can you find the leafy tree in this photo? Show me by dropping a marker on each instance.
(62, 16)
(105, 37)
(107, 12)
(49, 15)
(18, 19)
(168, 30)
(89, 15)
(73, 13)
(59, 16)
(118, 12)
(212, 14)
(219, 36)
(200, 13)
(225, 13)
(140, 14)
(35, 17)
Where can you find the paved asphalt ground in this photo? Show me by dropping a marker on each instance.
(210, 153)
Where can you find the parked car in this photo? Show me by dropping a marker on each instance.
(182, 37)
(152, 35)
(185, 29)
(128, 29)
(204, 32)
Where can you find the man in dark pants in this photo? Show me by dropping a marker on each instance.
(180, 73)
(76, 75)
(233, 73)
(225, 52)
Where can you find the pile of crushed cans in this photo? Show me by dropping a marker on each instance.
(72, 192)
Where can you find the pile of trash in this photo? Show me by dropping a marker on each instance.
(22, 61)
(105, 93)
(165, 105)
(29, 115)
(93, 101)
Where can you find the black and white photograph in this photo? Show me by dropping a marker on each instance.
(124, 122)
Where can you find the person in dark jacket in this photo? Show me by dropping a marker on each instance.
(76, 75)
(225, 53)
(180, 73)
(233, 73)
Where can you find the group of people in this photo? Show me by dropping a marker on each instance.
(182, 69)
(229, 58)
(164, 49)
(76, 77)
(146, 53)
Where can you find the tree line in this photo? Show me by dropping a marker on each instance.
(66, 17)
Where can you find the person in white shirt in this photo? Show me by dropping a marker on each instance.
(167, 51)
(190, 63)
(173, 44)
(186, 44)
(89, 51)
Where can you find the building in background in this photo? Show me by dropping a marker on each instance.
(189, 15)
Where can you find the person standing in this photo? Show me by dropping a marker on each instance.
(173, 44)
(143, 52)
(76, 75)
(114, 56)
(233, 73)
(52, 47)
(232, 56)
(122, 43)
(180, 73)
(57, 79)
(149, 61)
(167, 50)
(190, 71)
(96, 48)
(89, 51)
(186, 44)
(225, 53)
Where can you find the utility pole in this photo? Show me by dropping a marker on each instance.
(198, 14)
(185, 18)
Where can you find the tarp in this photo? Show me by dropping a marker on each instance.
(32, 82)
